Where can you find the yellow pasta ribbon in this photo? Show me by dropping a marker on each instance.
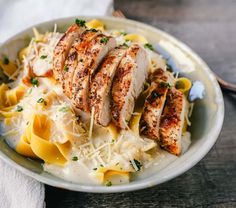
(9, 69)
(113, 174)
(9, 98)
(23, 53)
(24, 148)
(35, 142)
(183, 84)
(96, 24)
(136, 38)
(38, 36)
(134, 122)
(135, 119)
(39, 141)
(113, 131)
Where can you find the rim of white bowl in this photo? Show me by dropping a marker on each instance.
(143, 183)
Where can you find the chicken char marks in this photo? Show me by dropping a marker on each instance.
(96, 51)
(172, 121)
(77, 52)
(62, 49)
(154, 103)
(128, 84)
(163, 115)
(100, 86)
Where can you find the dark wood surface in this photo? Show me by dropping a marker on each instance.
(209, 28)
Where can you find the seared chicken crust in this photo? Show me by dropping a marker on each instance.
(100, 86)
(128, 84)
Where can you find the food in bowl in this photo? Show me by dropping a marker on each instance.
(96, 106)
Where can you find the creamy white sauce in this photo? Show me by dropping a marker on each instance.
(100, 150)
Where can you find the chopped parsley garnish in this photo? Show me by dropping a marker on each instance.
(155, 95)
(101, 165)
(123, 33)
(137, 163)
(93, 30)
(165, 84)
(104, 40)
(94, 168)
(43, 56)
(75, 158)
(125, 44)
(66, 68)
(64, 109)
(19, 108)
(34, 82)
(5, 60)
(41, 100)
(149, 46)
(108, 183)
(80, 22)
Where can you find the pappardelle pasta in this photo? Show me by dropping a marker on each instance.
(116, 135)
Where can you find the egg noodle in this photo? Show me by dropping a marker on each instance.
(38, 120)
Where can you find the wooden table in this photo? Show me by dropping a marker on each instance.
(209, 28)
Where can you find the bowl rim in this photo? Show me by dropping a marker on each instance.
(143, 183)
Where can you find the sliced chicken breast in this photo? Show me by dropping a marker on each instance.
(154, 103)
(128, 84)
(62, 49)
(76, 53)
(87, 65)
(100, 86)
(172, 121)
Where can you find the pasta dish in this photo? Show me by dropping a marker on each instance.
(96, 106)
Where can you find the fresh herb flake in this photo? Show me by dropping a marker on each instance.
(93, 30)
(108, 183)
(34, 82)
(80, 22)
(43, 56)
(19, 108)
(165, 85)
(137, 163)
(41, 100)
(123, 33)
(64, 109)
(125, 44)
(66, 68)
(5, 60)
(149, 46)
(94, 168)
(104, 40)
(75, 158)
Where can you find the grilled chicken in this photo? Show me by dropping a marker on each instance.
(128, 84)
(100, 86)
(62, 49)
(154, 103)
(172, 121)
(88, 63)
(77, 52)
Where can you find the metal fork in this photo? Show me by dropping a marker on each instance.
(224, 84)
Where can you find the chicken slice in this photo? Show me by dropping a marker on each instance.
(172, 121)
(100, 86)
(62, 49)
(87, 65)
(154, 103)
(128, 84)
(77, 51)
